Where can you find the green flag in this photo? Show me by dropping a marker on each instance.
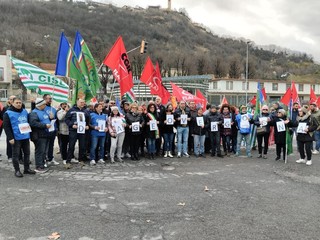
(68, 65)
(87, 63)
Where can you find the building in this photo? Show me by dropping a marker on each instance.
(5, 76)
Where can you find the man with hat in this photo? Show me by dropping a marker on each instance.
(40, 124)
(17, 128)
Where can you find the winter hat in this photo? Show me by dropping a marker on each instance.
(114, 108)
(40, 102)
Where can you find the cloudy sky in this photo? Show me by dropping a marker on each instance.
(292, 24)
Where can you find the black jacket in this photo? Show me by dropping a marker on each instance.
(312, 126)
(177, 114)
(214, 117)
(71, 117)
(134, 117)
(198, 130)
(257, 122)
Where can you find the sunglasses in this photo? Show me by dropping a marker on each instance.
(112, 103)
(264, 109)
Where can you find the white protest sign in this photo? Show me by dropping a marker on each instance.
(51, 129)
(80, 117)
(184, 119)
(302, 127)
(118, 126)
(214, 126)
(244, 123)
(101, 125)
(200, 121)
(281, 127)
(263, 121)
(169, 119)
(24, 128)
(227, 123)
(153, 125)
(81, 127)
(135, 127)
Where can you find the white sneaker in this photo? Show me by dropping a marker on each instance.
(309, 162)
(301, 161)
(45, 165)
(170, 155)
(179, 155)
(165, 154)
(9, 160)
(53, 162)
(128, 155)
(315, 152)
(92, 162)
(186, 155)
(101, 161)
(64, 162)
(74, 160)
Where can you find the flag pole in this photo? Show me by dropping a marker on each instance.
(112, 88)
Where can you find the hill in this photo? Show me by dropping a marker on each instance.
(32, 29)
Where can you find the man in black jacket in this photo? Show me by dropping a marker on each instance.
(74, 118)
(16, 126)
(214, 122)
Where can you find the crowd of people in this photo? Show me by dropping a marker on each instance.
(106, 132)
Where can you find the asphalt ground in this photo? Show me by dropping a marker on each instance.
(178, 198)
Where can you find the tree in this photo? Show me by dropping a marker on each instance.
(219, 68)
(234, 67)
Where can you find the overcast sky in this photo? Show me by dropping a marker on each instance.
(292, 24)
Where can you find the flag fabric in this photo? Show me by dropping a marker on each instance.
(87, 63)
(294, 93)
(117, 60)
(163, 93)
(260, 94)
(224, 101)
(313, 97)
(33, 77)
(181, 94)
(199, 95)
(174, 102)
(118, 104)
(318, 101)
(68, 65)
(152, 78)
(286, 97)
(263, 91)
(130, 96)
(253, 101)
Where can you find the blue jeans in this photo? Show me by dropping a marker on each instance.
(151, 145)
(97, 141)
(246, 138)
(168, 140)
(317, 139)
(182, 136)
(198, 141)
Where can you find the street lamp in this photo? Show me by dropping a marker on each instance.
(247, 62)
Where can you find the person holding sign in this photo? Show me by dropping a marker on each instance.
(16, 126)
(135, 122)
(263, 122)
(280, 123)
(244, 121)
(167, 122)
(198, 131)
(182, 118)
(307, 124)
(98, 126)
(117, 123)
(214, 123)
(77, 119)
(40, 123)
(152, 130)
(226, 128)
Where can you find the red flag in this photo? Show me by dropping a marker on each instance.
(117, 60)
(152, 78)
(199, 95)
(184, 95)
(294, 92)
(253, 101)
(286, 97)
(263, 91)
(163, 93)
(224, 101)
(313, 97)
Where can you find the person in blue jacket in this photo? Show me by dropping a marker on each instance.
(98, 126)
(244, 121)
(17, 128)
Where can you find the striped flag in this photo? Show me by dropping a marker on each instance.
(130, 96)
(33, 77)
